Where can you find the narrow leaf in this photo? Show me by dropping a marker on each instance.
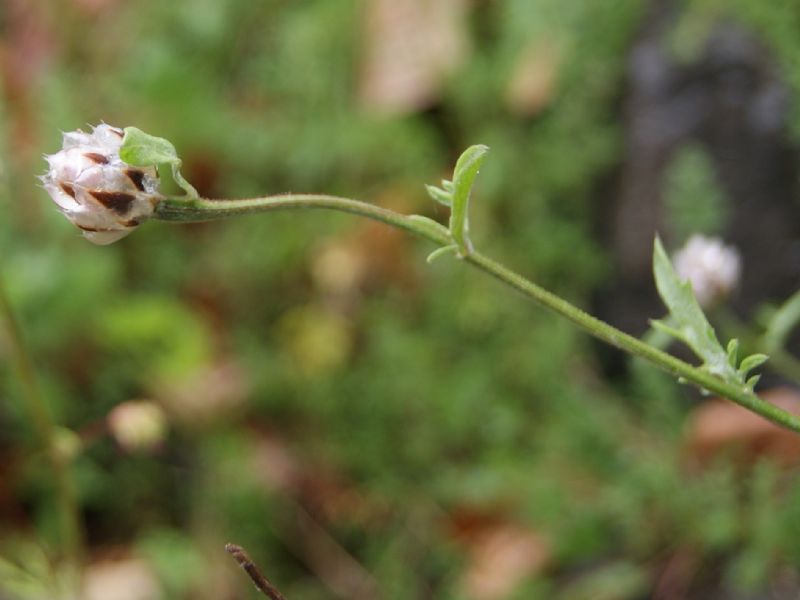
(439, 252)
(733, 352)
(751, 383)
(464, 175)
(428, 222)
(668, 329)
(751, 362)
(441, 196)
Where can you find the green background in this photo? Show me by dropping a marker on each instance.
(329, 394)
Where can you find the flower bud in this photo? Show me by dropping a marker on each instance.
(138, 425)
(101, 194)
(712, 268)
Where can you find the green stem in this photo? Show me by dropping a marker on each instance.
(47, 434)
(199, 209)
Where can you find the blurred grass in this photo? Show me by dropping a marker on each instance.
(402, 394)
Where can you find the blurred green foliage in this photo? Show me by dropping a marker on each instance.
(407, 393)
(694, 201)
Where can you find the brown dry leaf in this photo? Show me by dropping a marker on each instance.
(317, 497)
(389, 256)
(94, 7)
(534, 78)
(275, 466)
(410, 47)
(720, 426)
(27, 47)
(676, 574)
(500, 558)
(368, 257)
(319, 488)
(126, 578)
(206, 395)
(339, 268)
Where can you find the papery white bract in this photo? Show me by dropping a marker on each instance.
(96, 190)
(712, 268)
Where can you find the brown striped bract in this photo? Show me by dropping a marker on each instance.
(97, 191)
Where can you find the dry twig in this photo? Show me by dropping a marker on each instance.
(261, 582)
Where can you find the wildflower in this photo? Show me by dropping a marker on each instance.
(712, 268)
(95, 189)
(138, 425)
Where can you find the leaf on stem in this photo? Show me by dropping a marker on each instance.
(442, 196)
(142, 149)
(733, 352)
(467, 168)
(439, 252)
(456, 193)
(688, 323)
(751, 362)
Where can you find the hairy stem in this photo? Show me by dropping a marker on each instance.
(199, 209)
(71, 530)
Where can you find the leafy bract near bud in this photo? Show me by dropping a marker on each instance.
(96, 190)
(687, 322)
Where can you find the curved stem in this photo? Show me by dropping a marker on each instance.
(635, 346)
(199, 209)
(202, 209)
(782, 323)
(47, 434)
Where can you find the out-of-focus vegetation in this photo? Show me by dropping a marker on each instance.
(366, 425)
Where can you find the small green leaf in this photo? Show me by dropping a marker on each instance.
(428, 223)
(691, 322)
(669, 330)
(467, 167)
(441, 196)
(751, 362)
(448, 186)
(751, 383)
(732, 352)
(143, 150)
(439, 252)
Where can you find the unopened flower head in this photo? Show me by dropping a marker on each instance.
(712, 268)
(100, 193)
